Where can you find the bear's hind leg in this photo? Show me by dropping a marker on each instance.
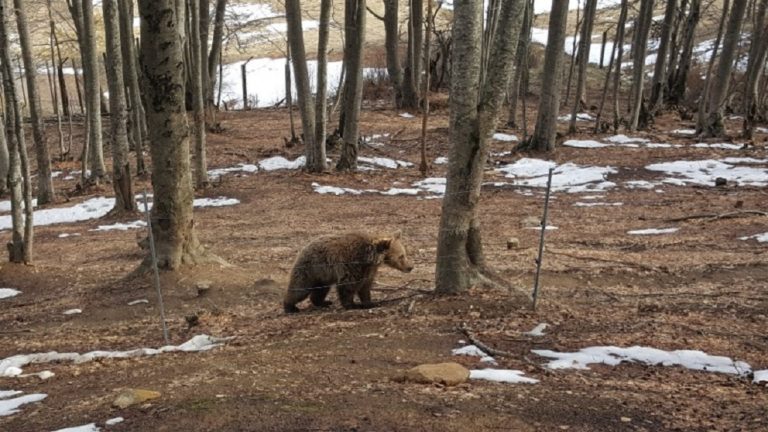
(346, 295)
(365, 295)
(317, 297)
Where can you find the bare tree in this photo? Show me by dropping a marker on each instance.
(196, 78)
(412, 71)
(713, 126)
(321, 99)
(92, 92)
(474, 113)
(354, 35)
(659, 70)
(543, 138)
(131, 77)
(3, 150)
(754, 110)
(45, 193)
(620, 29)
(521, 64)
(392, 45)
(162, 40)
(215, 55)
(121, 169)
(585, 42)
(678, 77)
(639, 44)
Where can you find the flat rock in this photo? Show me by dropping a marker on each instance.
(130, 397)
(448, 374)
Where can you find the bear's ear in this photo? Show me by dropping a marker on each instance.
(397, 234)
(382, 245)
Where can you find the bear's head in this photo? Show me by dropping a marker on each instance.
(394, 253)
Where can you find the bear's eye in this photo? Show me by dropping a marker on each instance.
(401, 257)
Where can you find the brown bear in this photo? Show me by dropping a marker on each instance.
(349, 261)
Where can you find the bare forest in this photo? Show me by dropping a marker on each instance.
(383, 215)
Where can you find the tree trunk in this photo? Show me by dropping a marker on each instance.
(92, 93)
(701, 115)
(424, 165)
(205, 23)
(20, 245)
(131, 75)
(474, 113)
(413, 58)
(574, 55)
(620, 30)
(678, 79)
(713, 126)
(45, 193)
(57, 108)
(638, 64)
(162, 54)
(354, 34)
(216, 42)
(3, 147)
(543, 138)
(315, 162)
(753, 111)
(521, 62)
(585, 43)
(659, 70)
(321, 100)
(392, 38)
(121, 170)
(198, 108)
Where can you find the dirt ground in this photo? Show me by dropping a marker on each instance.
(331, 370)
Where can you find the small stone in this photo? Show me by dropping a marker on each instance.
(530, 222)
(203, 287)
(626, 419)
(448, 374)
(720, 181)
(130, 397)
(513, 243)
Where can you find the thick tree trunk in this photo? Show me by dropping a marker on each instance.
(45, 193)
(121, 170)
(354, 34)
(315, 163)
(131, 76)
(474, 113)
(659, 70)
(321, 99)
(753, 111)
(585, 43)
(198, 108)
(713, 126)
(392, 38)
(678, 79)
(412, 71)
(92, 93)
(20, 246)
(638, 64)
(543, 138)
(216, 42)
(162, 36)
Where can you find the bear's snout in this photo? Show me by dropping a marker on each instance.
(408, 269)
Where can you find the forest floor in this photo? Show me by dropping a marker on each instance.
(698, 288)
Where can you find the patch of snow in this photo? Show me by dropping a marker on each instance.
(653, 231)
(406, 115)
(511, 376)
(334, 190)
(218, 172)
(760, 376)
(761, 238)
(139, 301)
(725, 146)
(5, 206)
(114, 421)
(684, 131)
(704, 172)
(91, 427)
(548, 228)
(623, 139)
(65, 235)
(761, 130)
(473, 351)
(16, 362)
(592, 197)
(215, 202)
(8, 292)
(568, 177)
(121, 226)
(744, 160)
(612, 356)
(72, 311)
(11, 406)
(585, 144)
(579, 117)
(5, 394)
(279, 162)
(442, 160)
(505, 137)
(400, 191)
(434, 185)
(384, 162)
(93, 208)
(596, 204)
(639, 184)
(538, 330)
(661, 145)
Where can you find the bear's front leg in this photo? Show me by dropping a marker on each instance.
(346, 295)
(365, 294)
(318, 297)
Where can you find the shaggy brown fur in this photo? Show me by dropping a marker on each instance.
(348, 261)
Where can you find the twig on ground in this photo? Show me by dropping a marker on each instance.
(715, 216)
(589, 258)
(495, 352)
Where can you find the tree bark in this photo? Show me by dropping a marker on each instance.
(659, 70)
(585, 43)
(92, 93)
(198, 108)
(713, 126)
(315, 163)
(162, 60)
(521, 65)
(45, 192)
(321, 99)
(543, 138)
(354, 34)
(620, 31)
(216, 42)
(412, 71)
(137, 117)
(121, 170)
(753, 111)
(392, 45)
(638, 64)
(205, 23)
(678, 79)
(4, 162)
(474, 113)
